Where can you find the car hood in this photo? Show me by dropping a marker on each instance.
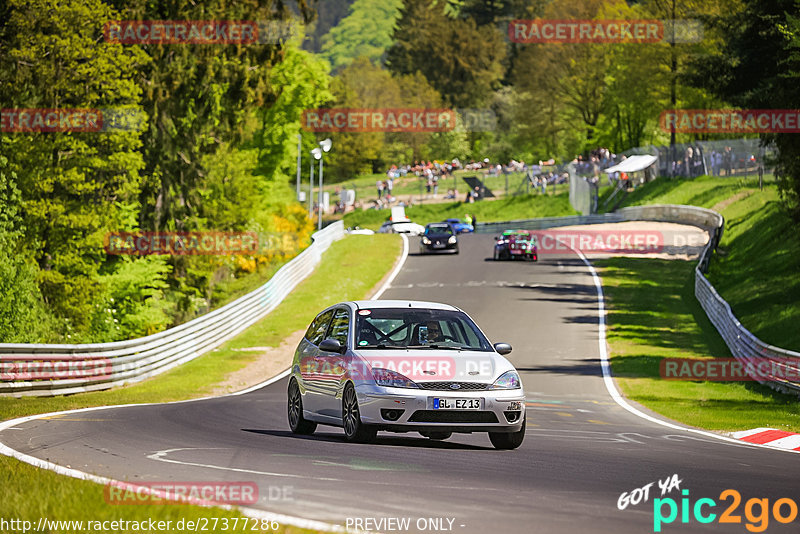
(431, 365)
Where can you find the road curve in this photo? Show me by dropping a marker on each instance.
(582, 450)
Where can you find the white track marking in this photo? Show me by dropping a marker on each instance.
(396, 271)
(75, 473)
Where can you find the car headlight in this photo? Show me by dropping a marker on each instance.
(452, 239)
(392, 379)
(508, 380)
(426, 241)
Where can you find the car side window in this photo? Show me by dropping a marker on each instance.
(340, 326)
(316, 332)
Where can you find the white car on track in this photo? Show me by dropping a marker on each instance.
(401, 227)
(404, 366)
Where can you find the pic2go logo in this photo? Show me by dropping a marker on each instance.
(756, 511)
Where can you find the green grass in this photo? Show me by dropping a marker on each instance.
(759, 273)
(704, 191)
(653, 314)
(349, 270)
(757, 269)
(504, 209)
(38, 493)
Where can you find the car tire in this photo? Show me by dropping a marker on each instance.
(494, 256)
(354, 430)
(297, 423)
(508, 440)
(437, 436)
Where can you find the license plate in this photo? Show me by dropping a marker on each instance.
(438, 245)
(456, 404)
(516, 252)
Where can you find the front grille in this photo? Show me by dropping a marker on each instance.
(445, 386)
(452, 416)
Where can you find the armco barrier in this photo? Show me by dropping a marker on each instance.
(25, 368)
(742, 343)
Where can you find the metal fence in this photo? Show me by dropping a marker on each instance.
(744, 346)
(51, 369)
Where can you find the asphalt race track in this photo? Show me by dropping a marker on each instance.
(581, 452)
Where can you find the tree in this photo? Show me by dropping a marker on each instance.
(759, 68)
(197, 96)
(364, 85)
(461, 60)
(22, 315)
(75, 187)
(365, 32)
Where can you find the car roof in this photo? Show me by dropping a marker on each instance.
(373, 304)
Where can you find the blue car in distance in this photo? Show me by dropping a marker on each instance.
(460, 226)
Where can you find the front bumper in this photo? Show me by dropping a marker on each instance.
(448, 247)
(502, 410)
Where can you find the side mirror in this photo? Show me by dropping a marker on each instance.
(331, 345)
(501, 348)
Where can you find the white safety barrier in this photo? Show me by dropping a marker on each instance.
(744, 346)
(51, 369)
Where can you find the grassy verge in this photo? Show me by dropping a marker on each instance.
(653, 314)
(33, 493)
(504, 209)
(349, 270)
(756, 269)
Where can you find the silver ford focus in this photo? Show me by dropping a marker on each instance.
(404, 366)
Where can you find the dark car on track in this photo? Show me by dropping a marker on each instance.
(516, 244)
(439, 237)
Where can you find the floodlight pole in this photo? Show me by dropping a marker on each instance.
(319, 221)
(299, 162)
(311, 190)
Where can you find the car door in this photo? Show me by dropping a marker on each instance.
(331, 365)
(310, 371)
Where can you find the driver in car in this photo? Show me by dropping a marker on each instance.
(434, 332)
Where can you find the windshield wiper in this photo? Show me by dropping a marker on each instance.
(382, 346)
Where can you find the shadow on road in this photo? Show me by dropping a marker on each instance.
(386, 439)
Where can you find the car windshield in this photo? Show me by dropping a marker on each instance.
(438, 229)
(518, 236)
(402, 328)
